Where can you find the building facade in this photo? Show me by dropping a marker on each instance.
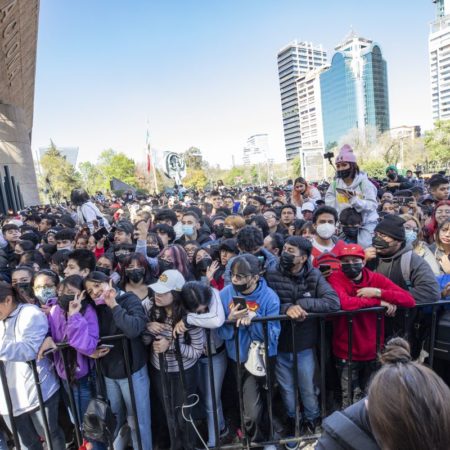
(354, 90)
(256, 150)
(311, 126)
(295, 59)
(439, 54)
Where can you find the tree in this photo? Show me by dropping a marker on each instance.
(91, 178)
(58, 175)
(374, 168)
(195, 178)
(116, 165)
(437, 141)
(234, 176)
(296, 167)
(193, 158)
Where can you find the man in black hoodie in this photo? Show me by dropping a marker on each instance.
(301, 289)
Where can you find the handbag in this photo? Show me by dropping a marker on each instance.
(256, 359)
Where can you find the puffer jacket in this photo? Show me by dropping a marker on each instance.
(308, 289)
(22, 334)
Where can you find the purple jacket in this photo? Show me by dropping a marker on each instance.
(80, 331)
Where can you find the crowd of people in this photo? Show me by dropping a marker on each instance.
(187, 279)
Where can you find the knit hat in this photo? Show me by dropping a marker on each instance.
(392, 226)
(391, 167)
(346, 155)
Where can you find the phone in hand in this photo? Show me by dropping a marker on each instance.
(346, 191)
(240, 301)
(49, 351)
(106, 346)
(324, 268)
(100, 233)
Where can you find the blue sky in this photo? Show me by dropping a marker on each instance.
(203, 72)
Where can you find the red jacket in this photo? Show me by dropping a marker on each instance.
(364, 324)
(330, 258)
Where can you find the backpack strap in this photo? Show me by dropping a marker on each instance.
(405, 264)
(348, 433)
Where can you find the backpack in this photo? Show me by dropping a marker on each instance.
(99, 423)
(405, 264)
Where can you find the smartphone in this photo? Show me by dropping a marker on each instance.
(240, 301)
(106, 346)
(100, 233)
(49, 351)
(345, 191)
(324, 268)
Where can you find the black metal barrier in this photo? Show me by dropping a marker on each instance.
(244, 442)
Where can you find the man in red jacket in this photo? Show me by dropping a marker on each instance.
(358, 287)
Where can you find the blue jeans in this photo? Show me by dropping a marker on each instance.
(83, 391)
(118, 393)
(284, 370)
(219, 363)
(30, 426)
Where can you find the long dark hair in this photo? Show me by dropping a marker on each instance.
(142, 260)
(159, 313)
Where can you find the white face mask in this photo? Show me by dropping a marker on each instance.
(325, 230)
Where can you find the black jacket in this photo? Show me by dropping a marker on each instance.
(348, 430)
(308, 289)
(127, 318)
(202, 238)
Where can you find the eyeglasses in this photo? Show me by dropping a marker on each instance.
(239, 277)
(442, 212)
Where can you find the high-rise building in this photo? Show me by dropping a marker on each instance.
(256, 149)
(311, 128)
(439, 49)
(354, 90)
(295, 59)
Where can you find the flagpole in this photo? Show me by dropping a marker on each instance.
(154, 174)
(150, 164)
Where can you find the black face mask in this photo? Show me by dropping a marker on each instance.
(25, 287)
(203, 264)
(392, 176)
(152, 252)
(218, 230)
(64, 301)
(228, 233)
(104, 270)
(164, 265)
(135, 275)
(241, 287)
(379, 243)
(343, 173)
(287, 261)
(351, 232)
(352, 270)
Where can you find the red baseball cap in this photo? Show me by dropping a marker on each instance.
(351, 250)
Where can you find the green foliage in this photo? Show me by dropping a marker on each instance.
(195, 178)
(295, 167)
(437, 141)
(375, 168)
(234, 176)
(116, 165)
(92, 179)
(193, 158)
(58, 175)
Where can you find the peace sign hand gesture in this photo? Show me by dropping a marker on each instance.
(110, 296)
(75, 304)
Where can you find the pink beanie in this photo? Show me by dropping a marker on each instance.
(346, 155)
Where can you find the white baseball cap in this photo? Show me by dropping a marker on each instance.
(169, 280)
(308, 206)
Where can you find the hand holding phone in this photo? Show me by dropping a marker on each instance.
(240, 303)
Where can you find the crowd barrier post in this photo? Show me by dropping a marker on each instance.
(323, 350)
(9, 405)
(41, 404)
(296, 389)
(432, 334)
(269, 377)
(170, 414)
(350, 358)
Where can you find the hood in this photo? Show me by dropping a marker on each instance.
(406, 248)
(357, 181)
(257, 293)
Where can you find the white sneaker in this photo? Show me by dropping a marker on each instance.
(270, 447)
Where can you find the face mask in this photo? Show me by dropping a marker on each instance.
(343, 173)
(228, 233)
(352, 270)
(203, 264)
(164, 265)
(379, 243)
(45, 294)
(25, 287)
(135, 275)
(391, 176)
(325, 230)
(240, 288)
(100, 300)
(104, 270)
(152, 252)
(287, 261)
(188, 230)
(410, 236)
(351, 232)
(218, 230)
(64, 301)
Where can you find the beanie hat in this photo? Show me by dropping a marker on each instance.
(392, 226)
(391, 167)
(346, 155)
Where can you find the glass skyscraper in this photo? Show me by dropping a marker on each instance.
(354, 90)
(295, 59)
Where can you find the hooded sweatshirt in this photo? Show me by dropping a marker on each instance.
(264, 302)
(365, 201)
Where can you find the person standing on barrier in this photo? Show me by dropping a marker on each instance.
(176, 382)
(358, 287)
(204, 309)
(122, 313)
(302, 289)
(261, 301)
(73, 320)
(23, 328)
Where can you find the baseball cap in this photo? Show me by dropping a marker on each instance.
(308, 206)
(169, 280)
(351, 250)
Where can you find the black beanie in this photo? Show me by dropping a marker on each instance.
(392, 226)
